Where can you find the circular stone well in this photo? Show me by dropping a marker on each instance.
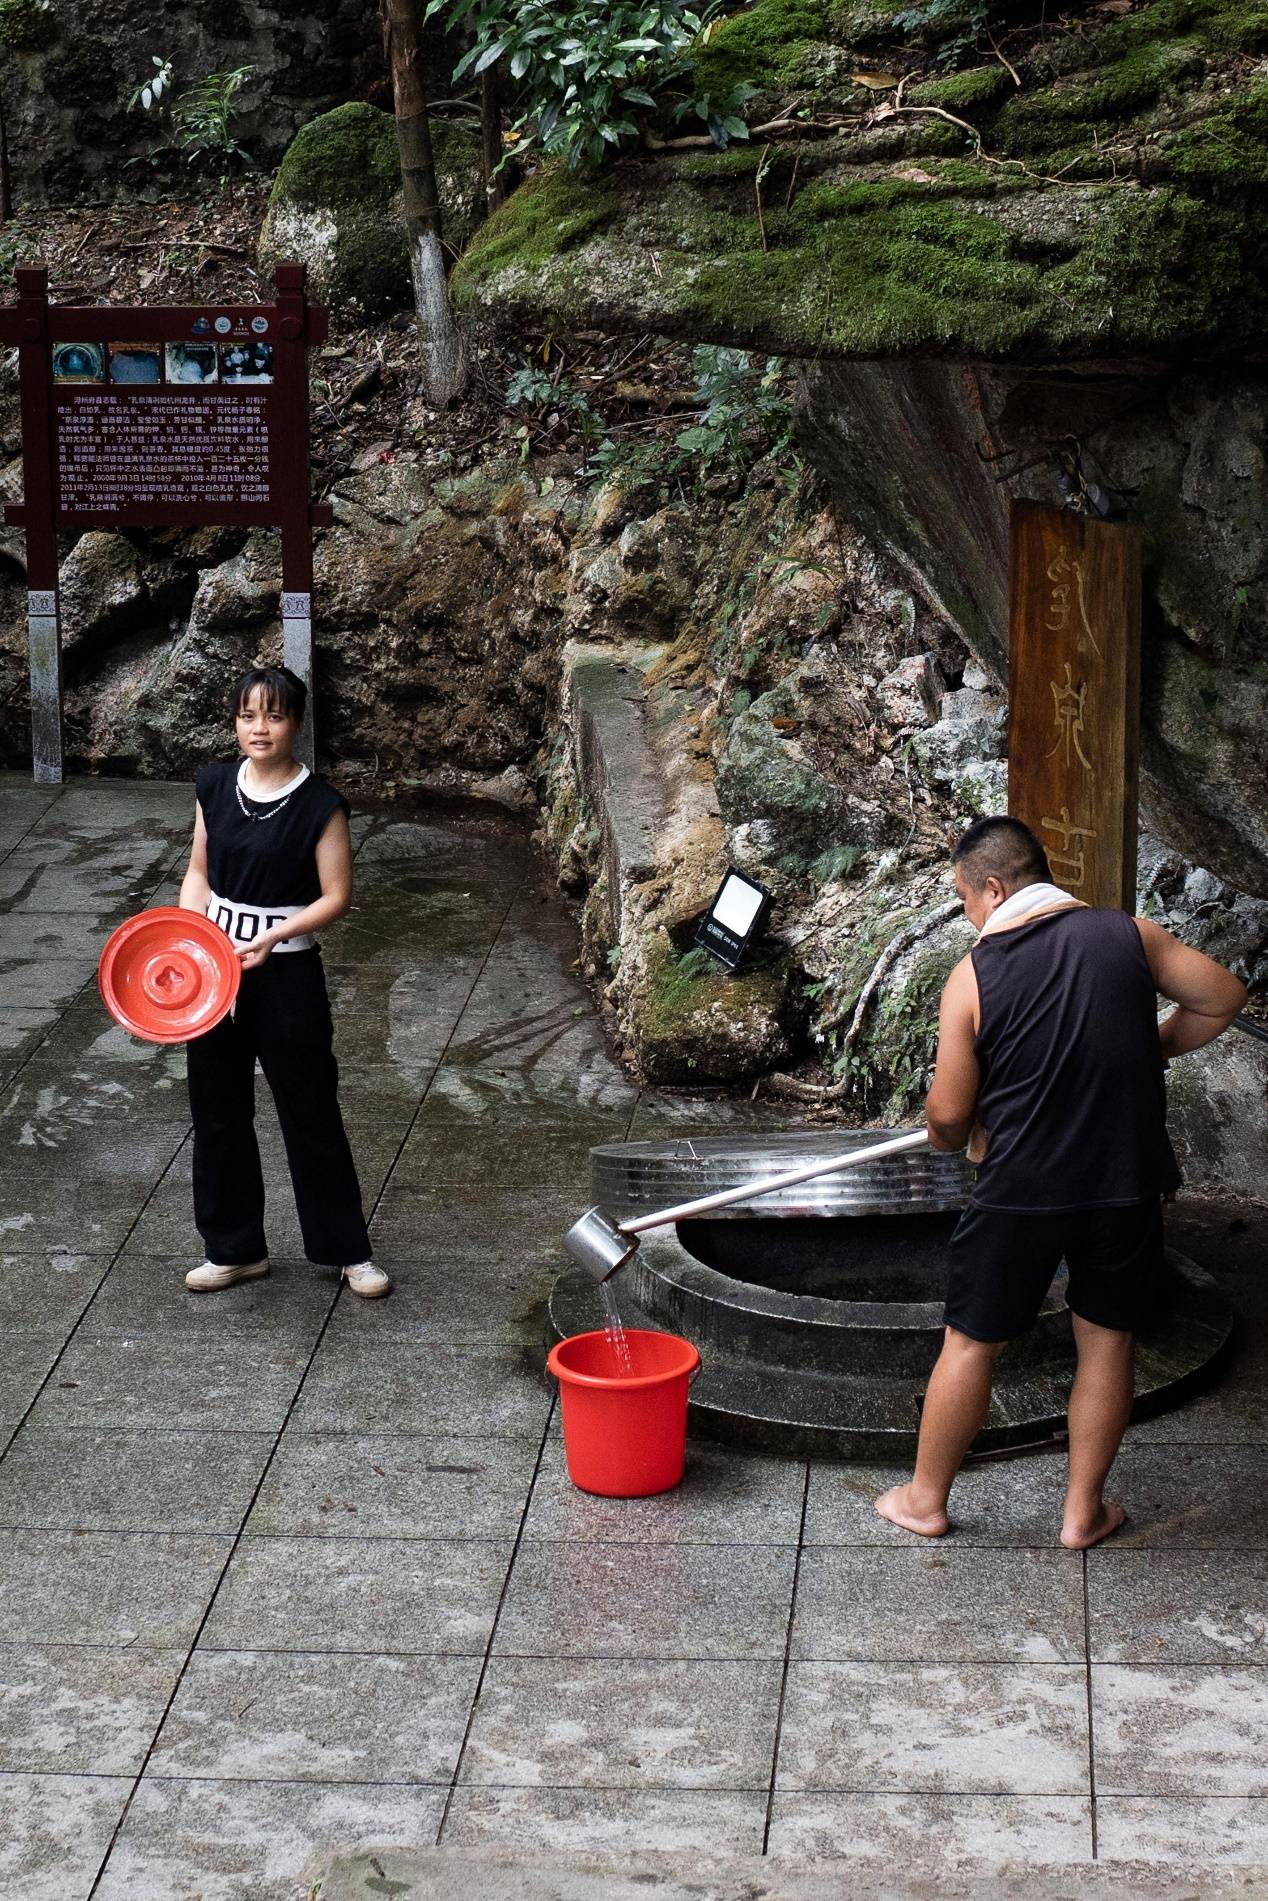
(818, 1310)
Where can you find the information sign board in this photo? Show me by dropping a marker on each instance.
(167, 416)
(1074, 696)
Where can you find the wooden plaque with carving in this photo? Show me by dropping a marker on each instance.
(1074, 695)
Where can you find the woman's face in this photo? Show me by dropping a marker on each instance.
(263, 733)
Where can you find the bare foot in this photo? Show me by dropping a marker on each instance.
(1081, 1534)
(896, 1506)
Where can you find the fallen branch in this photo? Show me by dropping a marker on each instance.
(1006, 63)
(784, 1085)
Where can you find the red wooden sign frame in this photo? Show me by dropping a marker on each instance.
(104, 450)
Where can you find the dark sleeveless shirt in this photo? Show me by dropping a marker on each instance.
(1072, 1095)
(270, 859)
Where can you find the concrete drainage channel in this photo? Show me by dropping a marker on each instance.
(818, 1310)
(441, 1874)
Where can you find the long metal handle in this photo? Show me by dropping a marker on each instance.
(1250, 1028)
(789, 1179)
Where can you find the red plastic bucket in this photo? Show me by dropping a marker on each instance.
(625, 1435)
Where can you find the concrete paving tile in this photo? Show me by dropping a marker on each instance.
(624, 1724)
(1001, 1503)
(428, 1597)
(378, 1007)
(79, 1477)
(1184, 1497)
(106, 878)
(494, 1225)
(44, 983)
(25, 1360)
(47, 1293)
(967, 1729)
(494, 1391)
(56, 1831)
(545, 1155)
(439, 849)
(22, 1031)
(412, 926)
(609, 1821)
(511, 1024)
(83, 1190)
(145, 1293)
(905, 1831)
(241, 1383)
(80, 1710)
(96, 1587)
(314, 1717)
(441, 1299)
(35, 937)
(939, 1605)
(726, 1497)
(620, 1600)
(254, 1841)
(486, 1093)
(1177, 1606)
(63, 1088)
(1180, 1731)
(343, 1485)
(1176, 1831)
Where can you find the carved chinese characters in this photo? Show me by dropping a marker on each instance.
(1074, 696)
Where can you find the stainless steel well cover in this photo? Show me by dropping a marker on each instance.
(630, 1177)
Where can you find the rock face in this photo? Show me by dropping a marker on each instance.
(66, 71)
(921, 457)
(335, 206)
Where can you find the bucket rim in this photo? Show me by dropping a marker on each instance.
(630, 1382)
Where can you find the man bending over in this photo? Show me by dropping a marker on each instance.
(1050, 1056)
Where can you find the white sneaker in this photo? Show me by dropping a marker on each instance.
(367, 1280)
(208, 1278)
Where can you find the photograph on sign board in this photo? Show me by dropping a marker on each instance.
(192, 363)
(78, 363)
(246, 362)
(136, 363)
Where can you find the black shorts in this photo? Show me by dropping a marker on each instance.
(1002, 1264)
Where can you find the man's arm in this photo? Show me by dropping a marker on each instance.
(951, 1105)
(1209, 997)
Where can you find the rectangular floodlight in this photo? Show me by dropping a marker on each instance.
(734, 919)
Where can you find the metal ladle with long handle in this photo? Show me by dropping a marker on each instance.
(601, 1245)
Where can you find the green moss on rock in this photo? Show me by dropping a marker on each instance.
(1113, 202)
(693, 1023)
(335, 205)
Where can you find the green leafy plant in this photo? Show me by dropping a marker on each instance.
(589, 72)
(204, 120)
(836, 863)
(744, 408)
(201, 120)
(957, 25)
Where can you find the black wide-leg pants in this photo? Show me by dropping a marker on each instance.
(283, 1018)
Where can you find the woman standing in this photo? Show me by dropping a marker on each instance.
(272, 865)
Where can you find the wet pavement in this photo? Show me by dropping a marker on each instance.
(282, 1573)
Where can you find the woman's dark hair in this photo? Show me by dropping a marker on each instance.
(284, 692)
(1001, 848)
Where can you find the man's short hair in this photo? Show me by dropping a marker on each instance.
(1001, 848)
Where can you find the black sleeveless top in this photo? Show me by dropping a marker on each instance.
(270, 859)
(1072, 1097)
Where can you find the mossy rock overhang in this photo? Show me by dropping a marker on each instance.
(1113, 204)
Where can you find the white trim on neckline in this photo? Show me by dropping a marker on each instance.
(270, 798)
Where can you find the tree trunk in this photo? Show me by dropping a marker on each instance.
(491, 137)
(6, 176)
(443, 352)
